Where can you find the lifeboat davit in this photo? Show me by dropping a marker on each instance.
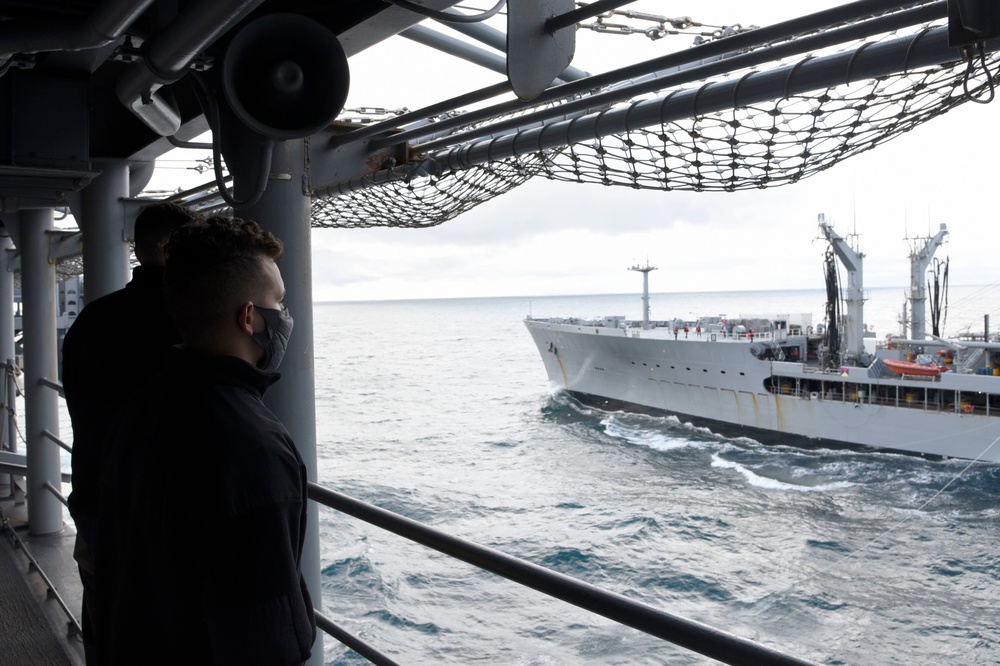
(911, 368)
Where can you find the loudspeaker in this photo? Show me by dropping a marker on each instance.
(285, 76)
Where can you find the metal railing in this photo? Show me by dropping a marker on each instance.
(72, 624)
(689, 634)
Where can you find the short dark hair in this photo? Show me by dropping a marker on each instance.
(154, 224)
(213, 266)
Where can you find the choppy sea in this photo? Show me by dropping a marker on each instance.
(440, 410)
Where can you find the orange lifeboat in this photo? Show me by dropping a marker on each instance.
(911, 368)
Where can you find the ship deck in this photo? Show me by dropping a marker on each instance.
(34, 628)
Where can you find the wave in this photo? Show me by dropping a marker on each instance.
(769, 483)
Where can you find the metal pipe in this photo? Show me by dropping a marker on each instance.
(498, 40)
(708, 51)
(361, 647)
(457, 48)
(56, 493)
(186, 194)
(583, 13)
(168, 54)
(695, 636)
(193, 145)
(58, 442)
(875, 61)
(713, 68)
(423, 114)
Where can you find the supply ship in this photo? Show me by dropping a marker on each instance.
(778, 380)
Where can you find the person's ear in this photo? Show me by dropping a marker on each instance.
(245, 318)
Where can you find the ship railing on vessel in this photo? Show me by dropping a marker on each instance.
(918, 393)
(689, 634)
(661, 328)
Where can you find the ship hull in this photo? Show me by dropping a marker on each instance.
(721, 384)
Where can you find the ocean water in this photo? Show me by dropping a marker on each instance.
(441, 411)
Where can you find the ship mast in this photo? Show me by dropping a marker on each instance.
(920, 260)
(645, 291)
(852, 261)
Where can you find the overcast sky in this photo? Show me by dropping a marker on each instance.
(550, 238)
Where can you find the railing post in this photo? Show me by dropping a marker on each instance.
(7, 441)
(41, 405)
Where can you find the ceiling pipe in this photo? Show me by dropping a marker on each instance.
(167, 55)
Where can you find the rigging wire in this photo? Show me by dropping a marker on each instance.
(893, 528)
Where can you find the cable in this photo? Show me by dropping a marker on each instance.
(980, 47)
(446, 17)
(835, 565)
(265, 154)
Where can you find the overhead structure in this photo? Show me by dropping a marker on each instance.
(750, 109)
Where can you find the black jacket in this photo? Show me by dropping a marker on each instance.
(203, 518)
(115, 345)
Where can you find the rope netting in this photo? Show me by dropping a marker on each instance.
(766, 145)
(423, 201)
(754, 146)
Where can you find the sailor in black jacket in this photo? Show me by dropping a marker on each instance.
(204, 506)
(117, 343)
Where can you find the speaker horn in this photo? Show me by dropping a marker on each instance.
(285, 76)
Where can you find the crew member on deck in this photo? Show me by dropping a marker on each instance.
(115, 345)
(204, 508)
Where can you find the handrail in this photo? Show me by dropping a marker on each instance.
(695, 636)
(55, 491)
(361, 647)
(45, 381)
(55, 438)
(73, 627)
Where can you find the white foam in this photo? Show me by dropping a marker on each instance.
(768, 483)
(642, 437)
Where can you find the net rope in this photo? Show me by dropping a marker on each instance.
(757, 146)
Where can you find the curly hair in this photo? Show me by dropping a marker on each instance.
(213, 266)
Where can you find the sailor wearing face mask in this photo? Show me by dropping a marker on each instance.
(206, 494)
(274, 338)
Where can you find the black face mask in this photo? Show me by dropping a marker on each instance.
(273, 339)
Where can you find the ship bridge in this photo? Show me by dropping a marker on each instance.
(95, 93)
